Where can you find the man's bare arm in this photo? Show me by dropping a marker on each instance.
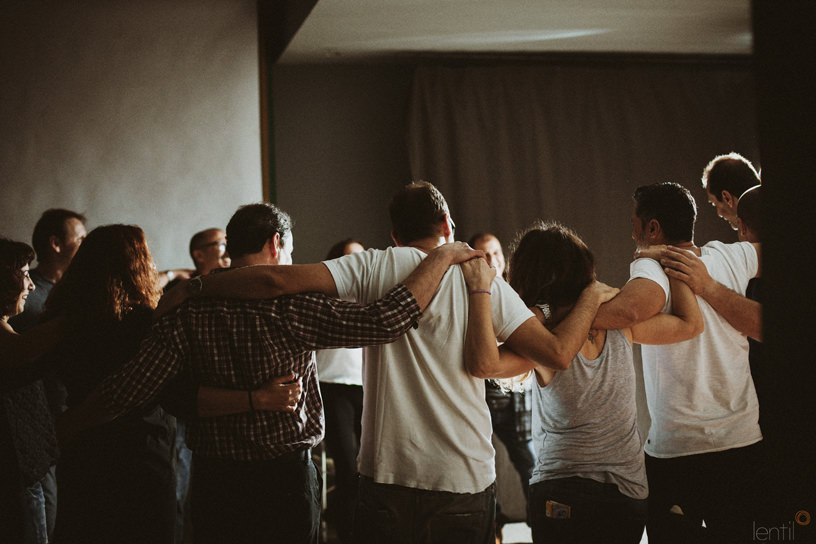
(267, 281)
(280, 394)
(684, 323)
(742, 313)
(637, 301)
(556, 349)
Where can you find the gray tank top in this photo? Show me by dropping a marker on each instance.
(585, 421)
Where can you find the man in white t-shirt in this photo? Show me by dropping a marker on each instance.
(700, 395)
(426, 460)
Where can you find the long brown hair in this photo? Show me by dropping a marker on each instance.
(550, 264)
(111, 273)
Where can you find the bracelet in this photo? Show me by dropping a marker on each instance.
(251, 406)
(474, 291)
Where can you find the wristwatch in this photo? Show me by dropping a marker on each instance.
(545, 309)
(194, 286)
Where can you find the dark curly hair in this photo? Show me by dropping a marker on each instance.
(111, 273)
(550, 264)
(13, 257)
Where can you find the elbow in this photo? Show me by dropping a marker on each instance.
(563, 363)
(480, 369)
(560, 360)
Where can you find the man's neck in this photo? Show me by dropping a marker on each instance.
(251, 260)
(50, 270)
(426, 245)
(688, 246)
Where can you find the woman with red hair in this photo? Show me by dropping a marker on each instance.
(116, 481)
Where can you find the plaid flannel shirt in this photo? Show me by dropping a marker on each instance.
(240, 344)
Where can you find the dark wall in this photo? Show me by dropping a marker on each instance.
(340, 151)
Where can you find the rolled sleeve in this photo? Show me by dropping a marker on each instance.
(322, 322)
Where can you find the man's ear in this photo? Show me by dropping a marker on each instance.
(729, 199)
(446, 227)
(197, 258)
(275, 246)
(653, 227)
(55, 243)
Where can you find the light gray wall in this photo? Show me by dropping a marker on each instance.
(137, 112)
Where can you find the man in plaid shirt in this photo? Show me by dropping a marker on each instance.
(254, 477)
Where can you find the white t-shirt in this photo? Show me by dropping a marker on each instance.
(343, 365)
(425, 421)
(700, 393)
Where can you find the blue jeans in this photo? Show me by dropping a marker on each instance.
(598, 513)
(395, 514)
(35, 527)
(184, 459)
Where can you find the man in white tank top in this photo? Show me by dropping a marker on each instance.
(700, 394)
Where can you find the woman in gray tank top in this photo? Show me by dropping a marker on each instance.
(589, 481)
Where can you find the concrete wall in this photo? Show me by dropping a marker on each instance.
(137, 112)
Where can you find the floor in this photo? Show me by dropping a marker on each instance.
(519, 533)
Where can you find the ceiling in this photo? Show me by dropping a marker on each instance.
(365, 30)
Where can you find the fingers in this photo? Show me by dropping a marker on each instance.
(283, 379)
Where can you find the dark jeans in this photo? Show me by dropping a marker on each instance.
(718, 488)
(343, 406)
(393, 514)
(598, 513)
(250, 502)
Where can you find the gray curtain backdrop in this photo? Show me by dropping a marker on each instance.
(570, 141)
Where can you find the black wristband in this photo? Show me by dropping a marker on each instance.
(251, 406)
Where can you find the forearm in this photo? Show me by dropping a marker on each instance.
(262, 281)
(17, 350)
(637, 301)
(556, 349)
(612, 315)
(216, 401)
(425, 278)
(742, 313)
(481, 350)
(572, 332)
(684, 323)
(91, 413)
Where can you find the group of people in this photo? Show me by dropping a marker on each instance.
(231, 353)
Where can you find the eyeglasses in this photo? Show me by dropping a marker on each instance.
(222, 246)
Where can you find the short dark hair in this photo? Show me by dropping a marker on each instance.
(732, 173)
(52, 223)
(13, 257)
(749, 210)
(416, 211)
(671, 205)
(339, 249)
(550, 264)
(252, 225)
(198, 238)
